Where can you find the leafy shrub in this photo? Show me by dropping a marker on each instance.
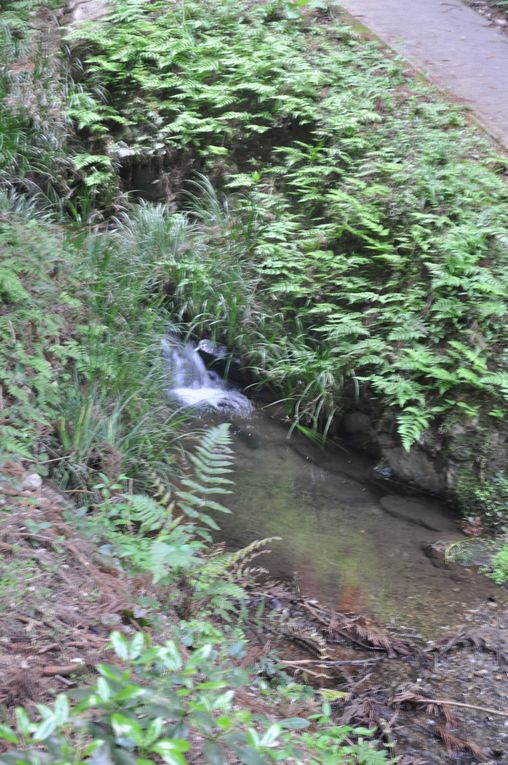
(502, 5)
(499, 565)
(168, 535)
(365, 254)
(491, 500)
(82, 375)
(210, 96)
(160, 702)
(32, 337)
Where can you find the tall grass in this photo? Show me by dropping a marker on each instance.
(83, 381)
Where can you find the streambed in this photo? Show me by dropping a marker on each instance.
(354, 543)
(343, 537)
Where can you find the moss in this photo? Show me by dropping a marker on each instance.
(487, 498)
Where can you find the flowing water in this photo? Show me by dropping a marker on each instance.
(345, 538)
(193, 385)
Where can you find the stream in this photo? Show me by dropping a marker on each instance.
(339, 536)
(346, 540)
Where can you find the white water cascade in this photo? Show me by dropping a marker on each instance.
(193, 385)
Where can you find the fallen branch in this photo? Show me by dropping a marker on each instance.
(451, 703)
(66, 669)
(48, 648)
(330, 663)
(308, 671)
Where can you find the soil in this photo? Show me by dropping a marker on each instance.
(491, 12)
(58, 600)
(436, 703)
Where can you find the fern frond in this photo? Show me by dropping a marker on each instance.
(251, 551)
(148, 512)
(212, 460)
(411, 424)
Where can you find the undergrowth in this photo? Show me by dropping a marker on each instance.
(41, 152)
(351, 245)
(502, 5)
(190, 694)
(363, 248)
(158, 702)
(82, 382)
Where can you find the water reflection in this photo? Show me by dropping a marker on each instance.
(336, 539)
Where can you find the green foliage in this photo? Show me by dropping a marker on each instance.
(197, 92)
(82, 376)
(41, 152)
(499, 565)
(32, 337)
(484, 501)
(367, 250)
(490, 500)
(176, 700)
(502, 5)
(168, 536)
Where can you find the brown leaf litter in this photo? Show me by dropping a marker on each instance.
(58, 599)
(414, 693)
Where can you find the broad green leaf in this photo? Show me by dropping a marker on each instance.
(126, 727)
(103, 689)
(129, 692)
(294, 723)
(7, 734)
(171, 750)
(45, 729)
(136, 646)
(270, 736)
(153, 731)
(224, 722)
(62, 709)
(214, 754)
(120, 645)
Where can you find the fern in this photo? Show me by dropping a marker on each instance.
(212, 461)
(165, 556)
(150, 514)
(497, 380)
(411, 424)
(11, 288)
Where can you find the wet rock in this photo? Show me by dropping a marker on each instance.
(218, 358)
(457, 552)
(437, 550)
(210, 351)
(87, 10)
(415, 467)
(360, 430)
(32, 482)
(250, 439)
(427, 514)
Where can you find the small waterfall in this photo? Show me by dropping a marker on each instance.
(193, 385)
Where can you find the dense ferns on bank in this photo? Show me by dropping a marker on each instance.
(361, 251)
(365, 252)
